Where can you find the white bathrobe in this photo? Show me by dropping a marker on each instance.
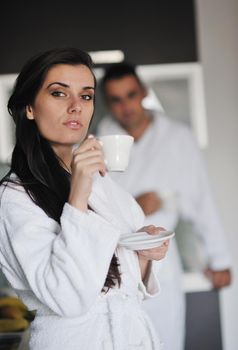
(60, 270)
(167, 160)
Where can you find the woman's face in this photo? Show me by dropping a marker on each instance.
(64, 105)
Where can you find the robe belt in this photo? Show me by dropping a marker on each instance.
(117, 307)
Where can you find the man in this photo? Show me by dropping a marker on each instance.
(165, 160)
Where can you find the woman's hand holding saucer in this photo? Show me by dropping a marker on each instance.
(157, 253)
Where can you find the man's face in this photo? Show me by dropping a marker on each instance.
(124, 99)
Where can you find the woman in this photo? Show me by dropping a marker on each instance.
(61, 218)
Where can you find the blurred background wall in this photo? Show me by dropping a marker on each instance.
(151, 32)
(168, 31)
(217, 32)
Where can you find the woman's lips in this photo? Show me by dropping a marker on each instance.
(73, 124)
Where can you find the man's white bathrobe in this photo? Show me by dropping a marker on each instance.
(60, 270)
(167, 160)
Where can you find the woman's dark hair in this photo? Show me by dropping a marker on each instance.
(36, 165)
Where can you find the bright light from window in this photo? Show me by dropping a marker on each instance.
(113, 56)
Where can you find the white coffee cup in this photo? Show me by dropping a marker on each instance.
(116, 149)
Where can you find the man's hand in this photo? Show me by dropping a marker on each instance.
(220, 278)
(150, 202)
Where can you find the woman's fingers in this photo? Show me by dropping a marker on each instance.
(88, 153)
(152, 229)
(90, 143)
(89, 165)
(157, 253)
(87, 160)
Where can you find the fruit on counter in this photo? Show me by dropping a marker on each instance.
(10, 325)
(7, 301)
(14, 315)
(15, 312)
(11, 312)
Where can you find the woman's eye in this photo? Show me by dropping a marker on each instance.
(87, 97)
(58, 94)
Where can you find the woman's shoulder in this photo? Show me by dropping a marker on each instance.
(11, 191)
(16, 203)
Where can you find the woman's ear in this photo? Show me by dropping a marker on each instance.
(29, 113)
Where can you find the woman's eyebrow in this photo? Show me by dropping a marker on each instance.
(67, 86)
(88, 88)
(58, 83)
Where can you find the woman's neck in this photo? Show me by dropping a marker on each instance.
(64, 153)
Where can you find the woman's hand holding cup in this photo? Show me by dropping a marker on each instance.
(87, 160)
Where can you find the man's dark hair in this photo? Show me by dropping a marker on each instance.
(118, 71)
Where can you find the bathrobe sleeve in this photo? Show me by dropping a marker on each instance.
(150, 287)
(64, 266)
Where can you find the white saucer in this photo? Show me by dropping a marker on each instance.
(143, 240)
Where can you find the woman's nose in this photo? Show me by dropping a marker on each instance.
(75, 106)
